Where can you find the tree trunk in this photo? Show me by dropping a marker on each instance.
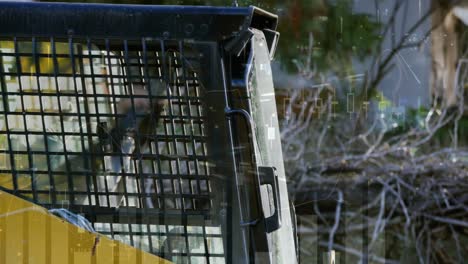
(445, 53)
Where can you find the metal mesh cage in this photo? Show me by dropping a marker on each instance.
(114, 130)
(151, 122)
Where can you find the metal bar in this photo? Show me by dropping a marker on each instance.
(5, 109)
(41, 107)
(91, 146)
(245, 246)
(88, 155)
(124, 21)
(178, 60)
(128, 91)
(194, 147)
(77, 102)
(152, 115)
(55, 68)
(113, 109)
(25, 133)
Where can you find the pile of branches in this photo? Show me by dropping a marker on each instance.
(402, 196)
(368, 186)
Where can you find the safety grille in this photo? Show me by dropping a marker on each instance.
(114, 130)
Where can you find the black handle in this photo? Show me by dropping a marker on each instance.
(268, 176)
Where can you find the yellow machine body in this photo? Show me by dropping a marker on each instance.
(30, 234)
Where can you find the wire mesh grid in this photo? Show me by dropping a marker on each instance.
(114, 130)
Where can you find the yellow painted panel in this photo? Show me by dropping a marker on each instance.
(30, 234)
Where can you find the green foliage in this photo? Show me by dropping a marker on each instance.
(339, 34)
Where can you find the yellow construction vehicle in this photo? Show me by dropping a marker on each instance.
(140, 134)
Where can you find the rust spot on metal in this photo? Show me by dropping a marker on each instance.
(96, 242)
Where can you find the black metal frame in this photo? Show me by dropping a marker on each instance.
(190, 61)
(200, 23)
